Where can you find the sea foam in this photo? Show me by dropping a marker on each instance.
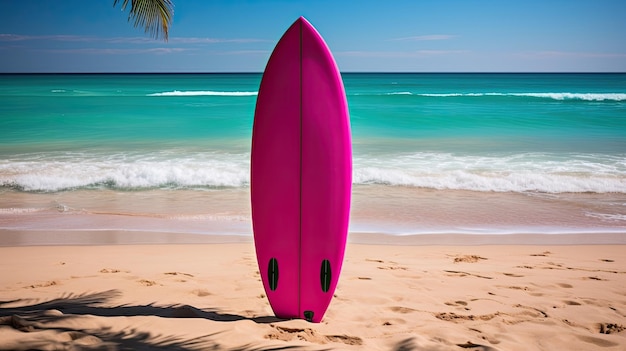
(562, 96)
(205, 93)
(529, 172)
(57, 173)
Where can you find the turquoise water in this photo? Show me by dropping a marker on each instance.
(545, 133)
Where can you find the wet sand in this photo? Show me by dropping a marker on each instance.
(375, 209)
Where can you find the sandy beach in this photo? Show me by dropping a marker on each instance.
(413, 293)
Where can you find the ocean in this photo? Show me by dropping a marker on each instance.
(433, 153)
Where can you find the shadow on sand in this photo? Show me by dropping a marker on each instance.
(48, 317)
(45, 316)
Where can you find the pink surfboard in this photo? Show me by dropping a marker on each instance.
(301, 175)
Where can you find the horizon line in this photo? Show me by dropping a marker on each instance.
(342, 72)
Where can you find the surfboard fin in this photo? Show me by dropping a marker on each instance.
(325, 275)
(308, 316)
(272, 273)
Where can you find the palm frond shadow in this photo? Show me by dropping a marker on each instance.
(35, 316)
(93, 304)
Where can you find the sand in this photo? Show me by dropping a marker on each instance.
(411, 294)
(374, 208)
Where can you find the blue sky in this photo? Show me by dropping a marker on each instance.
(382, 36)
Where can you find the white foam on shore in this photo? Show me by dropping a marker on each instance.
(18, 211)
(125, 171)
(610, 217)
(529, 172)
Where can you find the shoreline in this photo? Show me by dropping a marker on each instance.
(399, 212)
(9, 238)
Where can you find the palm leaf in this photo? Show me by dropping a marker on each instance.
(155, 16)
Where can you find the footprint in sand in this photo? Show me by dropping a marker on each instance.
(389, 265)
(179, 273)
(310, 335)
(453, 317)
(393, 268)
(552, 265)
(146, 282)
(110, 270)
(43, 285)
(514, 287)
(492, 340)
(543, 254)
(465, 274)
(594, 278)
(461, 304)
(401, 309)
(468, 259)
(610, 328)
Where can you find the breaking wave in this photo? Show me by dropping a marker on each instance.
(552, 96)
(205, 93)
(528, 172)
